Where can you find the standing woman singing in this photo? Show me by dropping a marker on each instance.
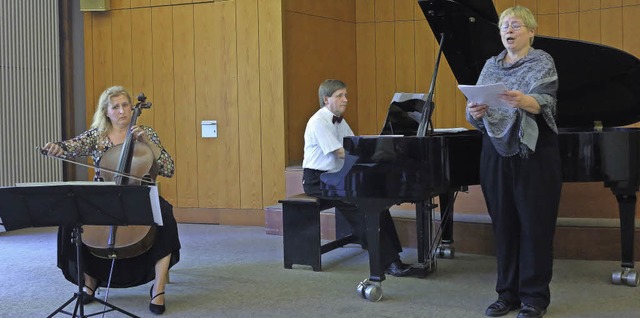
(520, 167)
(109, 128)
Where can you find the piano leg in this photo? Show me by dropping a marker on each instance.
(424, 230)
(371, 288)
(445, 248)
(627, 208)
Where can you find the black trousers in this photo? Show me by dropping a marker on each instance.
(522, 196)
(389, 241)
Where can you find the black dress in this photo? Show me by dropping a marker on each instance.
(127, 272)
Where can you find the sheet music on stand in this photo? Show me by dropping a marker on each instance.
(401, 97)
(154, 196)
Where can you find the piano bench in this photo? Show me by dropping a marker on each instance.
(301, 231)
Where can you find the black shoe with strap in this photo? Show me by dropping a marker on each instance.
(530, 311)
(501, 307)
(86, 297)
(156, 309)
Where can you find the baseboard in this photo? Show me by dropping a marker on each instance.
(247, 217)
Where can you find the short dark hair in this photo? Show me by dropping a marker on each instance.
(328, 87)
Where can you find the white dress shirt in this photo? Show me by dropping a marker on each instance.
(321, 138)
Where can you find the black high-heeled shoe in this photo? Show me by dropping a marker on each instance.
(86, 298)
(156, 309)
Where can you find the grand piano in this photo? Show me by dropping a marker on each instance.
(599, 92)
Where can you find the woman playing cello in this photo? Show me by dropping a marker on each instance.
(110, 125)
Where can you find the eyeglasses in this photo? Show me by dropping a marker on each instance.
(515, 26)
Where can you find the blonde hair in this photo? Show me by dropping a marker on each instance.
(523, 14)
(100, 119)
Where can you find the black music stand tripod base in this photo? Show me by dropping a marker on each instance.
(78, 296)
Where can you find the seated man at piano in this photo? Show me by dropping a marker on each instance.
(110, 127)
(324, 152)
(520, 166)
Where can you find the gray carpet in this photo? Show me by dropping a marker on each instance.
(232, 271)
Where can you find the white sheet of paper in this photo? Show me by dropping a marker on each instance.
(485, 94)
(154, 197)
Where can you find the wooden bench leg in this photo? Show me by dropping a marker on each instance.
(301, 235)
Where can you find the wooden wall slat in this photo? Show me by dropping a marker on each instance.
(163, 97)
(444, 115)
(157, 3)
(405, 57)
(501, 5)
(186, 124)
(384, 10)
(610, 3)
(404, 10)
(385, 69)
(590, 26)
(120, 4)
(140, 3)
(102, 55)
(272, 99)
(547, 25)
(610, 26)
(366, 79)
(249, 104)
(568, 6)
(142, 50)
(530, 4)
(546, 7)
(216, 98)
(205, 55)
(630, 27)
(365, 11)
(588, 5)
(90, 99)
(569, 25)
(122, 58)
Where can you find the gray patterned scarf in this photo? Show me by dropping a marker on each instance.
(513, 130)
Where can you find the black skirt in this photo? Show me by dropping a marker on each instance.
(127, 272)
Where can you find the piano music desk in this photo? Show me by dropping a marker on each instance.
(301, 231)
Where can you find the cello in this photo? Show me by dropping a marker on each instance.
(128, 163)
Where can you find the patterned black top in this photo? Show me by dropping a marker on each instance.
(92, 144)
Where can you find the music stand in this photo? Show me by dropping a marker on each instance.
(75, 206)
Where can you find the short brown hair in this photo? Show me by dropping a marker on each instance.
(328, 87)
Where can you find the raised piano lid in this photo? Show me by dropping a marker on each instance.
(597, 83)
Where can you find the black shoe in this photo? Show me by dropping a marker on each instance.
(530, 311)
(86, 297)
(398, 269)
(156, 309)
(500, 307)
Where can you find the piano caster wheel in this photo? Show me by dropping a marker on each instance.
(369, 290)
(626, 276)
(445, 251)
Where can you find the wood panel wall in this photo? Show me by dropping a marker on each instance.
(255, 67)
(395, 52)
(200, 60)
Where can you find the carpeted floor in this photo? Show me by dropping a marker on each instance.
(232, 271)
